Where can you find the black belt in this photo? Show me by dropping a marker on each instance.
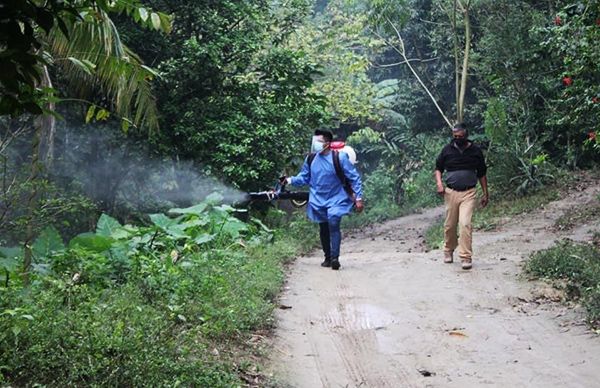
(460, 188)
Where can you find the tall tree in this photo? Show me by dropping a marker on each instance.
(234, 98)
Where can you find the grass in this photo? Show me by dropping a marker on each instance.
(596, 238)
(501, 210)
(434, 235)
(576, 263)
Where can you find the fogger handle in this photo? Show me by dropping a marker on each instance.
(284, 195)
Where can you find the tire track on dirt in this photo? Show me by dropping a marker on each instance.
(352, 327)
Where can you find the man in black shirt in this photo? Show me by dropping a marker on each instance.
(464, 165)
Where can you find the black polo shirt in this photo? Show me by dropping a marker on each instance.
(464, 167)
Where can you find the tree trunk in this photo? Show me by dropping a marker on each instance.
(32, 200)
(456, 77)
(465, 66)
(44, 126)
(48, 127)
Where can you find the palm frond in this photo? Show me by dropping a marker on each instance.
(118, 74)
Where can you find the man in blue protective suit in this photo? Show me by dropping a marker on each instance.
(330, 198)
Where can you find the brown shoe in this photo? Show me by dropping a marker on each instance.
(448, 257)
(466, 263)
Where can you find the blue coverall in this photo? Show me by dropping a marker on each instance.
(328, 201)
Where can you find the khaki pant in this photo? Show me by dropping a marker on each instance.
(459, 209)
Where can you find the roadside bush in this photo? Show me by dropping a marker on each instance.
(75, 335)
(75, 212)
(381, 198)
(419, 189)
(592, 304)
(403, 178)
(158, 305)
(517, 161)
(379, 188)
(434, 235)
(579, 265)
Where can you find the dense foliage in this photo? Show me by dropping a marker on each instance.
(139, 305)
(233, 95)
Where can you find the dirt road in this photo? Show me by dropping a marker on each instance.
(397, 316)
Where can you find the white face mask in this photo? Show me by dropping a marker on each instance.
(317, 144)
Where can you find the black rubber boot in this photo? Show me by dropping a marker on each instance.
(325, 243)
(335, 263)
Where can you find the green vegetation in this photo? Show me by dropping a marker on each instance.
(577, 264)
(434, 235)
(113, 114)
(143, 305)
(509, 206)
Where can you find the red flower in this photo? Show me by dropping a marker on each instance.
(567, 81)
(595, 100)
(557, 20)
(592, 136)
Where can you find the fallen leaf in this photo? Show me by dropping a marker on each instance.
(457, 333)
(284, 307)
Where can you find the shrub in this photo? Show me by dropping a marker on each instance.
(578, 264)
(140, 306)
(434, 235)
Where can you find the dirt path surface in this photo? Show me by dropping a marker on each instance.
(397, 316)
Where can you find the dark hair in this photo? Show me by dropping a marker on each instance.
(327, 135)
(460, 127)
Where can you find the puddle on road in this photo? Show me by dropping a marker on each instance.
(352, 317)
(366, 321)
